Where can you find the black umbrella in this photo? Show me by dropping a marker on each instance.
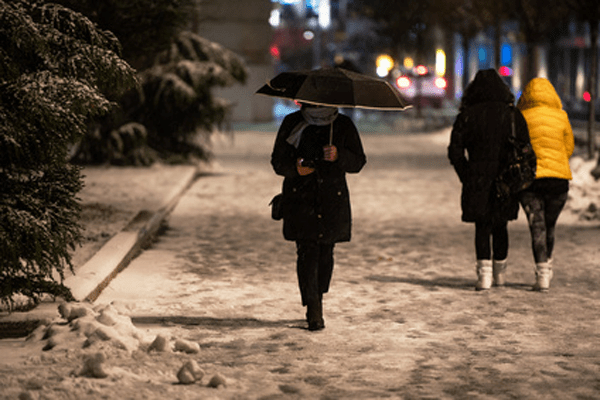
(335, 87)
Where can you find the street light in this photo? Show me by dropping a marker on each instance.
(384, 65)
(440, 62)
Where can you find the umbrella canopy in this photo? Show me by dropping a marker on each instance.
(335, 87)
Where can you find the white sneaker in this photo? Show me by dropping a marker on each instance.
(484, 275)
(543, 276)
(499, 272)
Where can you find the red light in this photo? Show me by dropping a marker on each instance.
(274, 50)
(440, 83)
(421, 70)
(505, 71)
(587, 96)
(403, 82)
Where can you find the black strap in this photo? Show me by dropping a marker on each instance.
(512, 122)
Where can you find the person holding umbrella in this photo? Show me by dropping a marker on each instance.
(314, 149)
(478, 150)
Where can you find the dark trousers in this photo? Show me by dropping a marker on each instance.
(542, 211)
(314, 267)
(497, 233)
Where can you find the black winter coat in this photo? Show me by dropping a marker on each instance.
(316, 207)
(479, 148)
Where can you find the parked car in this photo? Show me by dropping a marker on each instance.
(420, 86)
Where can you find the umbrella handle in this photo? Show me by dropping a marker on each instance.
(331, 134)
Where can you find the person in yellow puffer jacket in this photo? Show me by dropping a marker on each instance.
(553, 143)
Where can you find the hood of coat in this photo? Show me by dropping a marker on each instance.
(487, 86)
(539, 92)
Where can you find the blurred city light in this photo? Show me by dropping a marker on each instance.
(308, 35)
(505, 71)
(385, 61)
(587, 96)
(458, 66)
(322, 9)
(421, 70)
(384, 65)
(408, 63)
(403, 82)
(441, 83)
(275, 18)
(275, 53)
(506, 54)
(440, 62)
(324, 14)
(482, 55)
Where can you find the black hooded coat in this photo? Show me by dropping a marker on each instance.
(316, 207)
(478, 147)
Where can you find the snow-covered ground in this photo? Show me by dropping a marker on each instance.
(216, 311)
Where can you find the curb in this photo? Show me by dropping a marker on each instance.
(97, 273)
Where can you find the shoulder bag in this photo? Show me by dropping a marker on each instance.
(519, 171)
(277, 207)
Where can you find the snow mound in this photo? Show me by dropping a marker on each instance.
(103, 327)
(584, 191)
(105, 343)
(190, 373)
(91, 327)
(94, 366)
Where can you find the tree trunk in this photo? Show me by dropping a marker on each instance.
(532, 61)
(450, 66)
(465, 57)
(497, 43)
(419, 81)
(593, 88)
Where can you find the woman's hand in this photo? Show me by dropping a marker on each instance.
(302, 170)
(330, 153)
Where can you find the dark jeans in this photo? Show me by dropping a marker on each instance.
(542, 209)
(314, 268)
(497, 233)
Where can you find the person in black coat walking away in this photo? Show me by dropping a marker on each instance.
(478, 151)
(314, 149)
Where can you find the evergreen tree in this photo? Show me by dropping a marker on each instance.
(56, 72)
(144, 27)
(178, 103)
(174, 112)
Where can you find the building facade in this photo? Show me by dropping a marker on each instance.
(242, 26)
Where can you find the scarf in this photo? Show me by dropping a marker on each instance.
(320, 116)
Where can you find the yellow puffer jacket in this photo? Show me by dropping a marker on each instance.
(549, 129)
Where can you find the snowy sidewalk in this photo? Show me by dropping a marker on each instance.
(122, 208)
(402, 318)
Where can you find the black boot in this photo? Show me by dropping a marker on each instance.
(314, 316)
